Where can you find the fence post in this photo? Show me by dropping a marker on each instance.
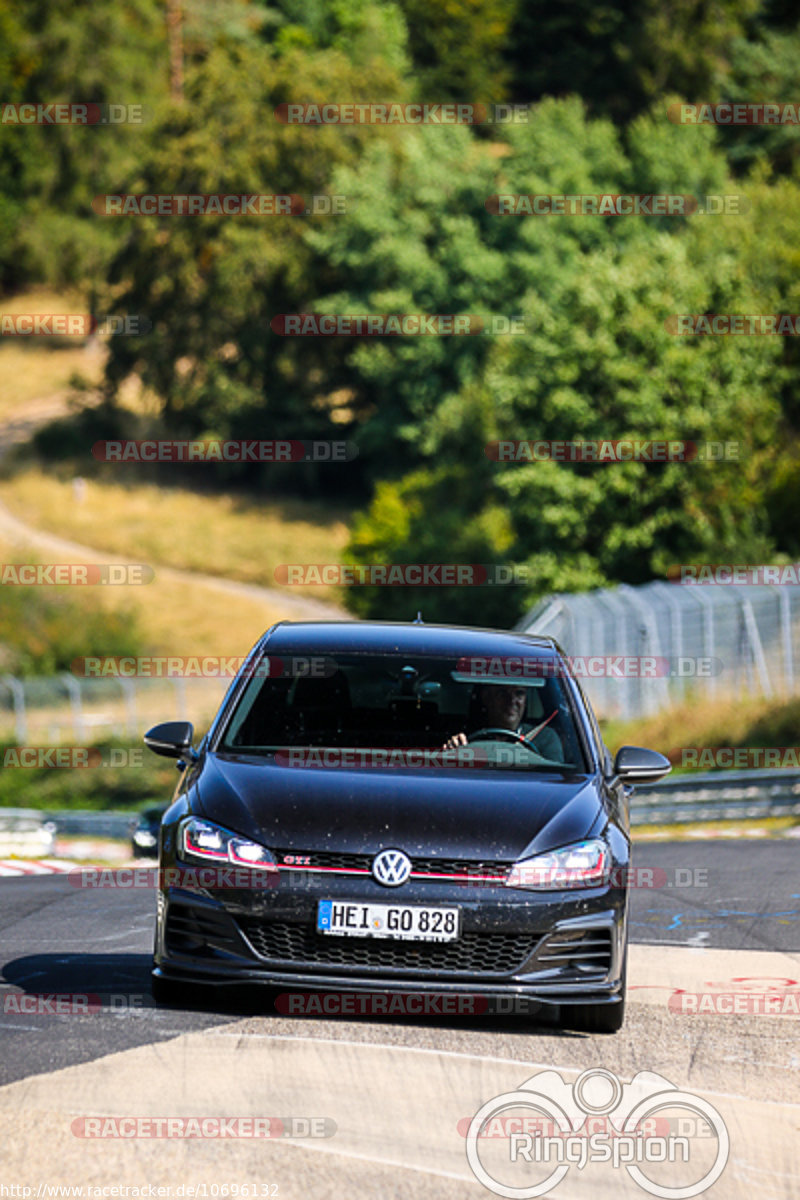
(180, 697)
(657, 697)
(786, 637)
(755, 644)
(74, 691)
(129, 692)
(17, 690)
(708, 628)
(666, 590)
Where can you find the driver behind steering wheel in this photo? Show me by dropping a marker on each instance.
(502, 707)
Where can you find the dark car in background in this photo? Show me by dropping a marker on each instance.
(383, 807)
(144, 836)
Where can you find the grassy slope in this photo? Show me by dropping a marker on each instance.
(33, 368)
(236, 537)
(741, 721)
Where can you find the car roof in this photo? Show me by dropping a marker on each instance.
(412, 637)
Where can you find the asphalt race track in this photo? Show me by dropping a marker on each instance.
(380, 1105)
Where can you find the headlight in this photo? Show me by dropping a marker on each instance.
(586, 864)
(204, 842)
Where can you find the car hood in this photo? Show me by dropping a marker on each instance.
(436, 813)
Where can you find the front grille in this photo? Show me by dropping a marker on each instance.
(200, 931)
(472, 953)
(425, 866)
(583, 950)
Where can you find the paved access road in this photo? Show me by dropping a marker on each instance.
(393, 1095)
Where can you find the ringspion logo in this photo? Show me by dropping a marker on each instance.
(524, 1143)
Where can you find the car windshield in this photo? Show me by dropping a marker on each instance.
(397, 710)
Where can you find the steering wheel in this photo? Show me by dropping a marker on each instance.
(511, 734)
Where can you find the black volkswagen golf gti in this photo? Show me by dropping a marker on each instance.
(401, 808)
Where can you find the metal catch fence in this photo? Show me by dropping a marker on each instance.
(641, 649)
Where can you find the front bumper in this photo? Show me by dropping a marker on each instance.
(555, 948)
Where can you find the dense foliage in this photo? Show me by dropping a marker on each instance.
(594, 358)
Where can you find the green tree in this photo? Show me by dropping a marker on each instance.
(597, 361)
(71, 53)
(621, 57)
(457, 47)
(211, 285)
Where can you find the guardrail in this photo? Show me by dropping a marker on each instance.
(25, 831)
(22, 823)
(717, 796)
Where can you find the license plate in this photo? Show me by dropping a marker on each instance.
(407, 922)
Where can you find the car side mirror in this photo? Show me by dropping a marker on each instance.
(172, 739)
(635, 764)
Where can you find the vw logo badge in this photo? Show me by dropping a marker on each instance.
(391, 867)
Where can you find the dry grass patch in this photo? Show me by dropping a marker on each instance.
(223, 535)
(702, 722)
(36, 369)
(176, 618)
